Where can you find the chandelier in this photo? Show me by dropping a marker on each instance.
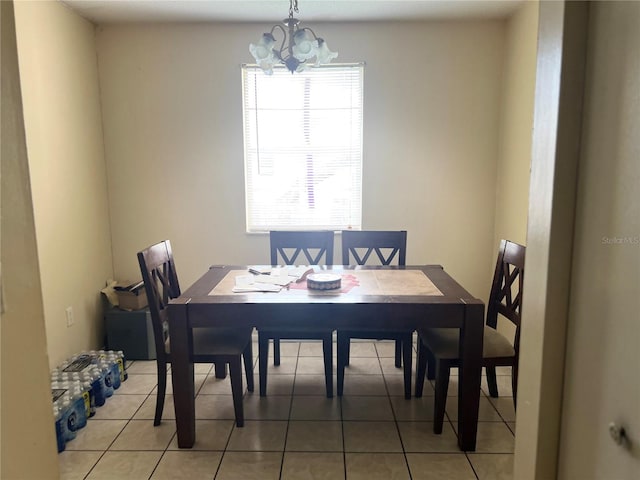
(296, 51)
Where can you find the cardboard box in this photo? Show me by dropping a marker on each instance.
(131, 296)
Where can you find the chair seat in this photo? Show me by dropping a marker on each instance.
(217, 341)
(443, 342)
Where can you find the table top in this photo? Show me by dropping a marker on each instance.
(439, 297)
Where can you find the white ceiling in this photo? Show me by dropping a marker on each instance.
(117, 11)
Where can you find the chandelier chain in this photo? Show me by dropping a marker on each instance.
(293, 7)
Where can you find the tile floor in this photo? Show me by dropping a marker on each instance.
(295, 432)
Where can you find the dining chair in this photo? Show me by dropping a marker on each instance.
(438, 347)
(209, 345)
(288, 245)
(389, 247)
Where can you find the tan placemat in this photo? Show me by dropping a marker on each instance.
(361, 282)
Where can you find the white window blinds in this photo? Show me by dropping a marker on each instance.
(303, 148)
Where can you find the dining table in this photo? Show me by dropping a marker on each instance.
(398, 297)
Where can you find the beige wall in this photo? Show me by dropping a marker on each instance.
(171, 97)
(514, 160)
(60, 90)
(27, 441)
(604, 324)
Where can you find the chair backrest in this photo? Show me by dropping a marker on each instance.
(506, 290)
(314, 245)
(387, 245)
(161, 284)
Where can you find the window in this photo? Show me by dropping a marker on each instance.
(303, 148)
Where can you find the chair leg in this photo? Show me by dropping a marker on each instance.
(492, 382)
(407, 357)
(276, 351)
(431, 364)
(399, 346)
(347, 345)
(263, 355)
(247, 356)
(343, 359)
(220, 369)
(327, 350)
(421, 368)
(440, 401)
(235, 372)
(162, 390)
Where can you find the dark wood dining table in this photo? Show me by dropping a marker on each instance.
(373, 297)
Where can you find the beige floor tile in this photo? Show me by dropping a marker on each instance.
(129, 465)
(189, 464)
(210, 435)
(504, 385)
(310, 436)
(363, 366)
(419, 437)
(365, 385)
(259, 435)
(198, 380)
(214, 407)
(362, 349)
(76, 465)
(312, 366)
(494, 437)
(142, 367)
(366, 408)
(119, 407)
(311, 349)
(287, 366)
(438, 466)
(310, 385)
(97, 435)
(288, 348)
(141, 384)
(388, 366)
(312, 466)
(217, 386)
(276, 384)
(371, 437)
(271, 407)
(512, 427)
(376, 466)
(250, 466)
(486, 412)
(492, 466)
(143, 435)
(386, 348)
(412, 409)
(147, 410)
(315, 407)
(203, 368)
(395, 386)
(505, 408)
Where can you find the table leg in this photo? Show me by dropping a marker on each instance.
(182, 375)
(471, 339)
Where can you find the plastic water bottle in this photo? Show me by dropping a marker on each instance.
(107, 374)
(118, 357)
(67, 418)
(79, 417)
(97, 386)
(78, 391)
(60, 438)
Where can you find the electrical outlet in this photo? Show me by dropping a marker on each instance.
(69, 312)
